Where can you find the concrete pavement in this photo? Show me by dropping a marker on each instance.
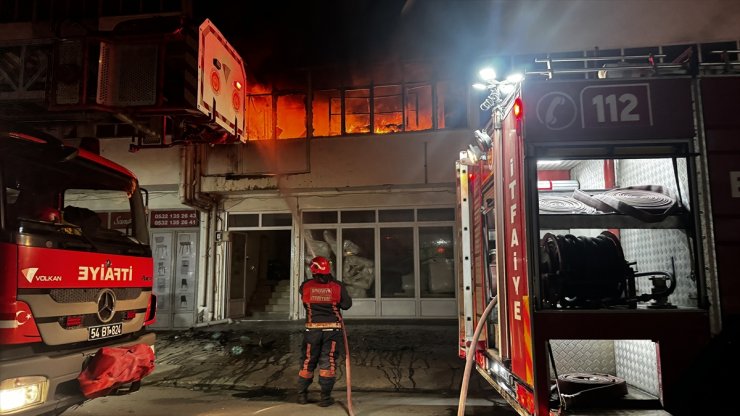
(388, 356)
(168, 401)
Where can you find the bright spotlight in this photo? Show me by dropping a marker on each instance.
(487, 74)
(507, 89)
(515, 78)
(479, 86)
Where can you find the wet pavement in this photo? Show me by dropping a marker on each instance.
(250, 367)
(168, 401)
(389, 356)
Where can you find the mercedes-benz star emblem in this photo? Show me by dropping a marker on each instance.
(106, 305)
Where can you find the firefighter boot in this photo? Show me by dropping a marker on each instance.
(327, 384)
(303, 384)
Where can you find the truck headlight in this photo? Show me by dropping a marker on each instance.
(21, 392)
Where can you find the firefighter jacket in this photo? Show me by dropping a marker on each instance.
(322, 302)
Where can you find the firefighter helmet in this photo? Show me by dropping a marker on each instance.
(49, 215)
(320, 265)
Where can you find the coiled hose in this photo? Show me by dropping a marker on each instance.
(470, 356)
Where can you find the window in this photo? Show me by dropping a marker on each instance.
(358, 216)
(276, 220)
(327, 113)
(388, 109)
(320, 242)
(404, 255)
(451, 105)
(291, 116)
(436, 214)
(320, 217)
(418, 107)
(397, 262)
(357, 111)
(244, 220)
(358, 262)
(436, 262)
(259, 117)
(396, 215)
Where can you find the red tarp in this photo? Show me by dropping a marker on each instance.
(112, 367)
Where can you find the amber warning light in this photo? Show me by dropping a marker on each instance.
(518, 109)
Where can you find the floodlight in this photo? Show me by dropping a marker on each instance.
(487, 74)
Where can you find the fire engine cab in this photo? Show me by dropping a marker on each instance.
(589, 266)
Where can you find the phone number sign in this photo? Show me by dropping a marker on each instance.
(601, 110)
(174, 219)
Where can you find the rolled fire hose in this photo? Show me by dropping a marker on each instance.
(469, 357)
(347, 373)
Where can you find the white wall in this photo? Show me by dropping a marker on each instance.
(151, 166)
(412, 159)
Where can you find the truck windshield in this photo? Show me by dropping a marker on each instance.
(67, 204)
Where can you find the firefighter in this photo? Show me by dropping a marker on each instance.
(322, 297)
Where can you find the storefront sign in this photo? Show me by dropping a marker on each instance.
(120, 220)
(174, 219)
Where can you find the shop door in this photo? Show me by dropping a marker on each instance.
(259, 270)
(238, 275)
(175, 267)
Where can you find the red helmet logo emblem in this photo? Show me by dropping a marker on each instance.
(320, 265)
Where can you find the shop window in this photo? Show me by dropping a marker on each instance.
(244, 220)
(436, 214)
(259, 117)
(357, 111)
(397, 262)
(358, 216)
(320, 242)
(436, 262)
(358, 262)
(396, 215)
(277, 220)
(418, 107)
(291, 116)
(327, 113)
(320, 217)
(388, 109)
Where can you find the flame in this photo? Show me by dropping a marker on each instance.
(291, 116)
(396, 108)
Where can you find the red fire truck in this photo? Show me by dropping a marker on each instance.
(70, 285)
(598, 220)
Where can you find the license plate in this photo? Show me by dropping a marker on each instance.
(104, 331)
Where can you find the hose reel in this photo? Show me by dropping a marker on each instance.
(584, 271)
(591, 272)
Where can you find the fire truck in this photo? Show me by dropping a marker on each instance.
(70, 283)
(598, 221)
(74, 284)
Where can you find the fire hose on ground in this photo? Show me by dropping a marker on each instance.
(347, 372)
(470, 356)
